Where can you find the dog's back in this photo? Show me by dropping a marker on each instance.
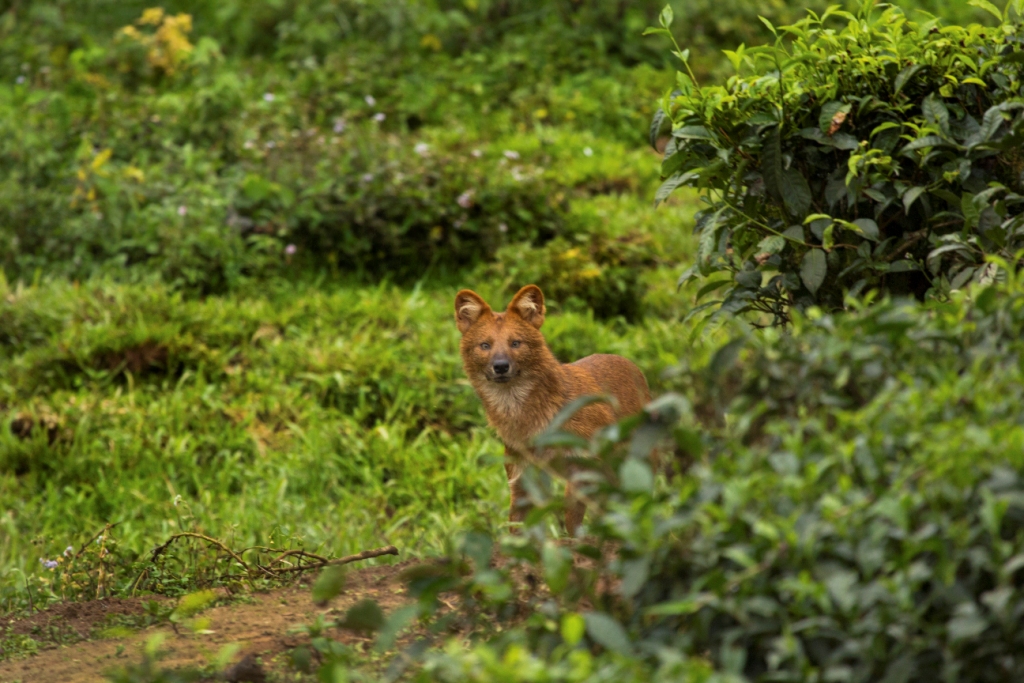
(618, 377)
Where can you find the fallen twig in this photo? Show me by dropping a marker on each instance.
(213, 541)
(365, 555)
(274, 568)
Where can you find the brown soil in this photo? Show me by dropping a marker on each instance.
(76, 619)
(263, 625)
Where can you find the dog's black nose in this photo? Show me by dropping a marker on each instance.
(501, 367)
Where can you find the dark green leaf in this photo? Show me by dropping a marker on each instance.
(607, 632)
(636, 475)
(812, 270)
(845, 141)
(329, 584)
(478, 545)
(900, 671)
(394, 624)
(557, 564)
(693, 133)
(726, 357)
(904, 77)
(710, 287)
(796, 193)
(794, 232)
(688, 274)
(660, 125)
(771, 162)
(364, 616)
(868, 228)
(970, 210)
(670, 185)
(772, 244)
(634, 575)
(553, 434)
(967, 623)
(923, 142)
(935, 112)
(911, 196)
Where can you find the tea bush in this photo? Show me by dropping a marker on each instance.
(139, 193)
(859, 518)
(598, 272)
(858, 152)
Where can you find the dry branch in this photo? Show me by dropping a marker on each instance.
(365, 555)
(273, 569)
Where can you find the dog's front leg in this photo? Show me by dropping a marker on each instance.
(514, 466)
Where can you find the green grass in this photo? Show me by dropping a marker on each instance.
(325, 413)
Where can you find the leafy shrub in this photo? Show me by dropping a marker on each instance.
(861, 518)
(207, 184)
(879, 154)
(598, 272)
(706, 27)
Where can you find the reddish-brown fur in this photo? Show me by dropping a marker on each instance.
(521, 403)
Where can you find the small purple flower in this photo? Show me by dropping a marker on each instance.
(290, 250)
(511, 154)
(268, 97)
(465, 199)
(370, 101)
(339, 125)
(182, 210)
(49, 564)
(379, 117)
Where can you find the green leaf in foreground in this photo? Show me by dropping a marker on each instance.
(573, 627)
(365, 616)
(607, 632)
(813, 269)
(329, 584)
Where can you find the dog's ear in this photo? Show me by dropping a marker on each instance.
(528, 304)
(468, 309)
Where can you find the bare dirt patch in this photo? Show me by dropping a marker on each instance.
(263, 625)
(71, 619)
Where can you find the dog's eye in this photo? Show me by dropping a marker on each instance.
(515, 345)
(485, 346)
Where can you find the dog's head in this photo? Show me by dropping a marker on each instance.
(500, 347)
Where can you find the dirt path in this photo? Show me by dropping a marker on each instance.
(261, 626)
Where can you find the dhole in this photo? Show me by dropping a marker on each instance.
(523, 386)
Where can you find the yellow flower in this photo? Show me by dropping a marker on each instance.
(101, 158)
(431, 41)
(135, 174)
(152, 16)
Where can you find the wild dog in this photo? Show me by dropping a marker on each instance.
(523, 386)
